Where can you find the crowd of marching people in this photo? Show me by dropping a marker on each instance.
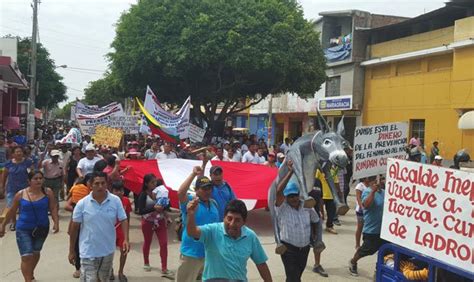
(215, 242)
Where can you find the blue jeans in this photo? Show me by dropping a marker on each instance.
(10, 197)
(27, 245)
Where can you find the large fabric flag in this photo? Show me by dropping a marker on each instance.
(179, 121)
(167, 134)
(250, 182)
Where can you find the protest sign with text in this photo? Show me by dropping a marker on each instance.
(196, 134)
(108, 136)
(88, 123)
(430, 209)
(128, 124)
(374, 144)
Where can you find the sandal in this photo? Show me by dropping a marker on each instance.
(12, 227)
(122, 278)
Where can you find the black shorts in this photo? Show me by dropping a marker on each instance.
(372, 243)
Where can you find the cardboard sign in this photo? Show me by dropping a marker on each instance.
(108, 136)
(128, 124)
(374, 144)
(196, 134)
(430, 209)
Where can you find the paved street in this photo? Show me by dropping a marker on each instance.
(53, 265)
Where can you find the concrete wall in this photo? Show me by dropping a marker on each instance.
(412, 43)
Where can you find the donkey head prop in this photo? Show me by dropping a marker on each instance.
(330, 145)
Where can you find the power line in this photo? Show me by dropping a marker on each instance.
(83, 69)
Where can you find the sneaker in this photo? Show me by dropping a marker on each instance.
(167, 274)
(331, 230)
(320, 270)
(337, 222)
(147, 267)
(353, 269)
(77, 274)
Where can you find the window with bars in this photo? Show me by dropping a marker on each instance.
(417, 126)
(333, 86)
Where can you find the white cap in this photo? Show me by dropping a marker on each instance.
(55, 153)
(438, 158)
(90, 147)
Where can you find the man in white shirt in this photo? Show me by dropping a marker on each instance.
(220, 156)
(151, 153)
(86, 165)
(167, 153)
(237, 157)
(251, 156)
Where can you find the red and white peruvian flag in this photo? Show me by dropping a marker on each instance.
(250, 182)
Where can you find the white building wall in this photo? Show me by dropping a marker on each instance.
(9, 48)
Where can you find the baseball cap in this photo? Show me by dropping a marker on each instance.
(90, 147)
(271, 154)
(215, 169)
(203, 182)
(280, 155)
(438, 158)
(291, 188)
(55, 153)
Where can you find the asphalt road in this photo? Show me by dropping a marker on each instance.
(54, 266)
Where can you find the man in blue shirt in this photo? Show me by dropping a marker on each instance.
(192, 251)
(228, 244)
(372, 202)
(221, 191)
(96, 216)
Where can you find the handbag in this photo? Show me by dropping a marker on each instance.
(38, 231)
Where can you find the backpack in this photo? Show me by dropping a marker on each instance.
(179, 225)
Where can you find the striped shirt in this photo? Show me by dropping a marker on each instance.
(295, 224)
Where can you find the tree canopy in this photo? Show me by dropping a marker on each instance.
(51, 88)
(221, 52)
(102, 91)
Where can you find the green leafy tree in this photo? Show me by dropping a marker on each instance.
(64, 112)
(222, 53)
(51, 88)
(102, 91)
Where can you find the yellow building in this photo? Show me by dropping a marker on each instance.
(421, 71)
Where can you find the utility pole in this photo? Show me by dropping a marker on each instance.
(30, 128)
(270, 112)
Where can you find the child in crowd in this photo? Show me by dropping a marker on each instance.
(161, 195)
(118, 190)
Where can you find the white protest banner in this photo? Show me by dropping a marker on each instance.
(88, 123)
(196, 134)
(83, 109)
(128, 124)
(430, 209)
(178, 122)
(374, 144)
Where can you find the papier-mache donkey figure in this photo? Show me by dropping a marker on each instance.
(311, 152)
